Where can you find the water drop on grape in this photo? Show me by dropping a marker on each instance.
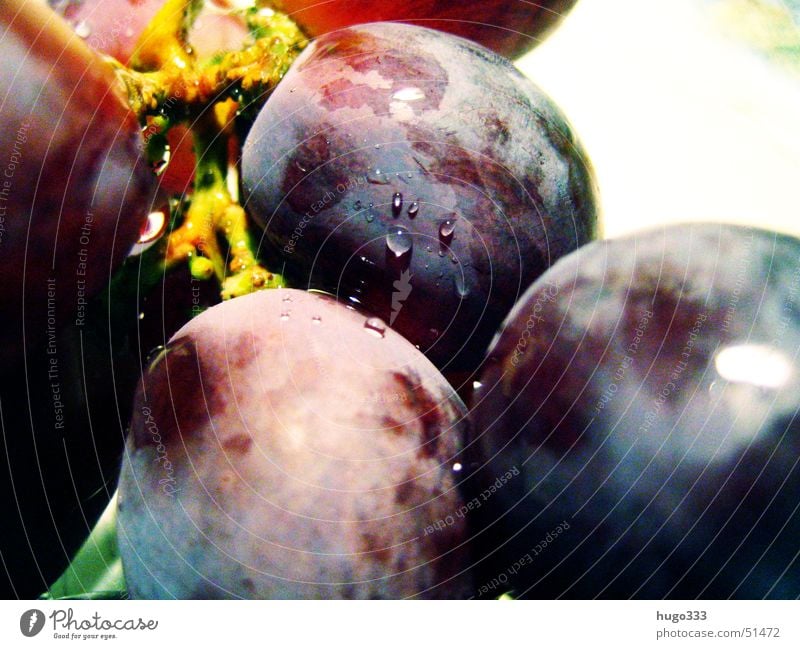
(413, 209)
(457, 467)
(375, 326)
(316, 320)
(286, 298)
(428, 248)
(285, 315)
(397, 203)
(83, 29)
(398, 240)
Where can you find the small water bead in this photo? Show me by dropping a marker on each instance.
(397, 203)
(286, 298)
(428, 248)
(375, 326)
(317, 320)
(413, 209)
(457, 467)
(285, 315)
(399, 240)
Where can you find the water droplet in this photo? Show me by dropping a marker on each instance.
(141, 315)
(286, 298)
(397, 203)
(453, 259)
(413, 209)
(369, 216)
(377, 146)
(83, 29)
(357, 205)
(441, 252)
(461, 285)
(428, 248)
(285, 315)
(316, 320)
(477, 385)
(427, 265)
(457, 467)
(399, 240)
(446, 229)
(375, 326)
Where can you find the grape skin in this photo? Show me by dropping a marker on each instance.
(75, 188)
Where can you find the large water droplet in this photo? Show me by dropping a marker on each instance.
(375, 326)
(413, 209)
(83, 29)
(398, 240)
(154, 227)
(397, 203)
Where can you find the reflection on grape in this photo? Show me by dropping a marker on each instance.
(420, 176)
(648, 390)
(284, 446)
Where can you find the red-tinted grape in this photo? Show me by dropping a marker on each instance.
(75, 190)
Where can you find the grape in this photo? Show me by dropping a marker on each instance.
(507, 27)
(75, 190)
(113, 27)
(419, 176)
(646, 391)
(283, 446)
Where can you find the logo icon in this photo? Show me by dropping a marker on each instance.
(402, 289)
(31, 622)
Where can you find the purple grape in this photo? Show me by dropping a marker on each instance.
(420, 176)
(647, 390)
(284, 446)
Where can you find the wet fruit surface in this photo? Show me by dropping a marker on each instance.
(285, 446)
(646, 389)
(419, 176)
(75, 189)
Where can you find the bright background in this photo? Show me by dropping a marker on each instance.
(689, 109)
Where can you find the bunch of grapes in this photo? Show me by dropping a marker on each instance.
(324, 280)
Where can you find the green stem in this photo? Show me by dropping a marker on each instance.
(96, 570)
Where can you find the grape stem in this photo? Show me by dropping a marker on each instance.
(167, 84)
